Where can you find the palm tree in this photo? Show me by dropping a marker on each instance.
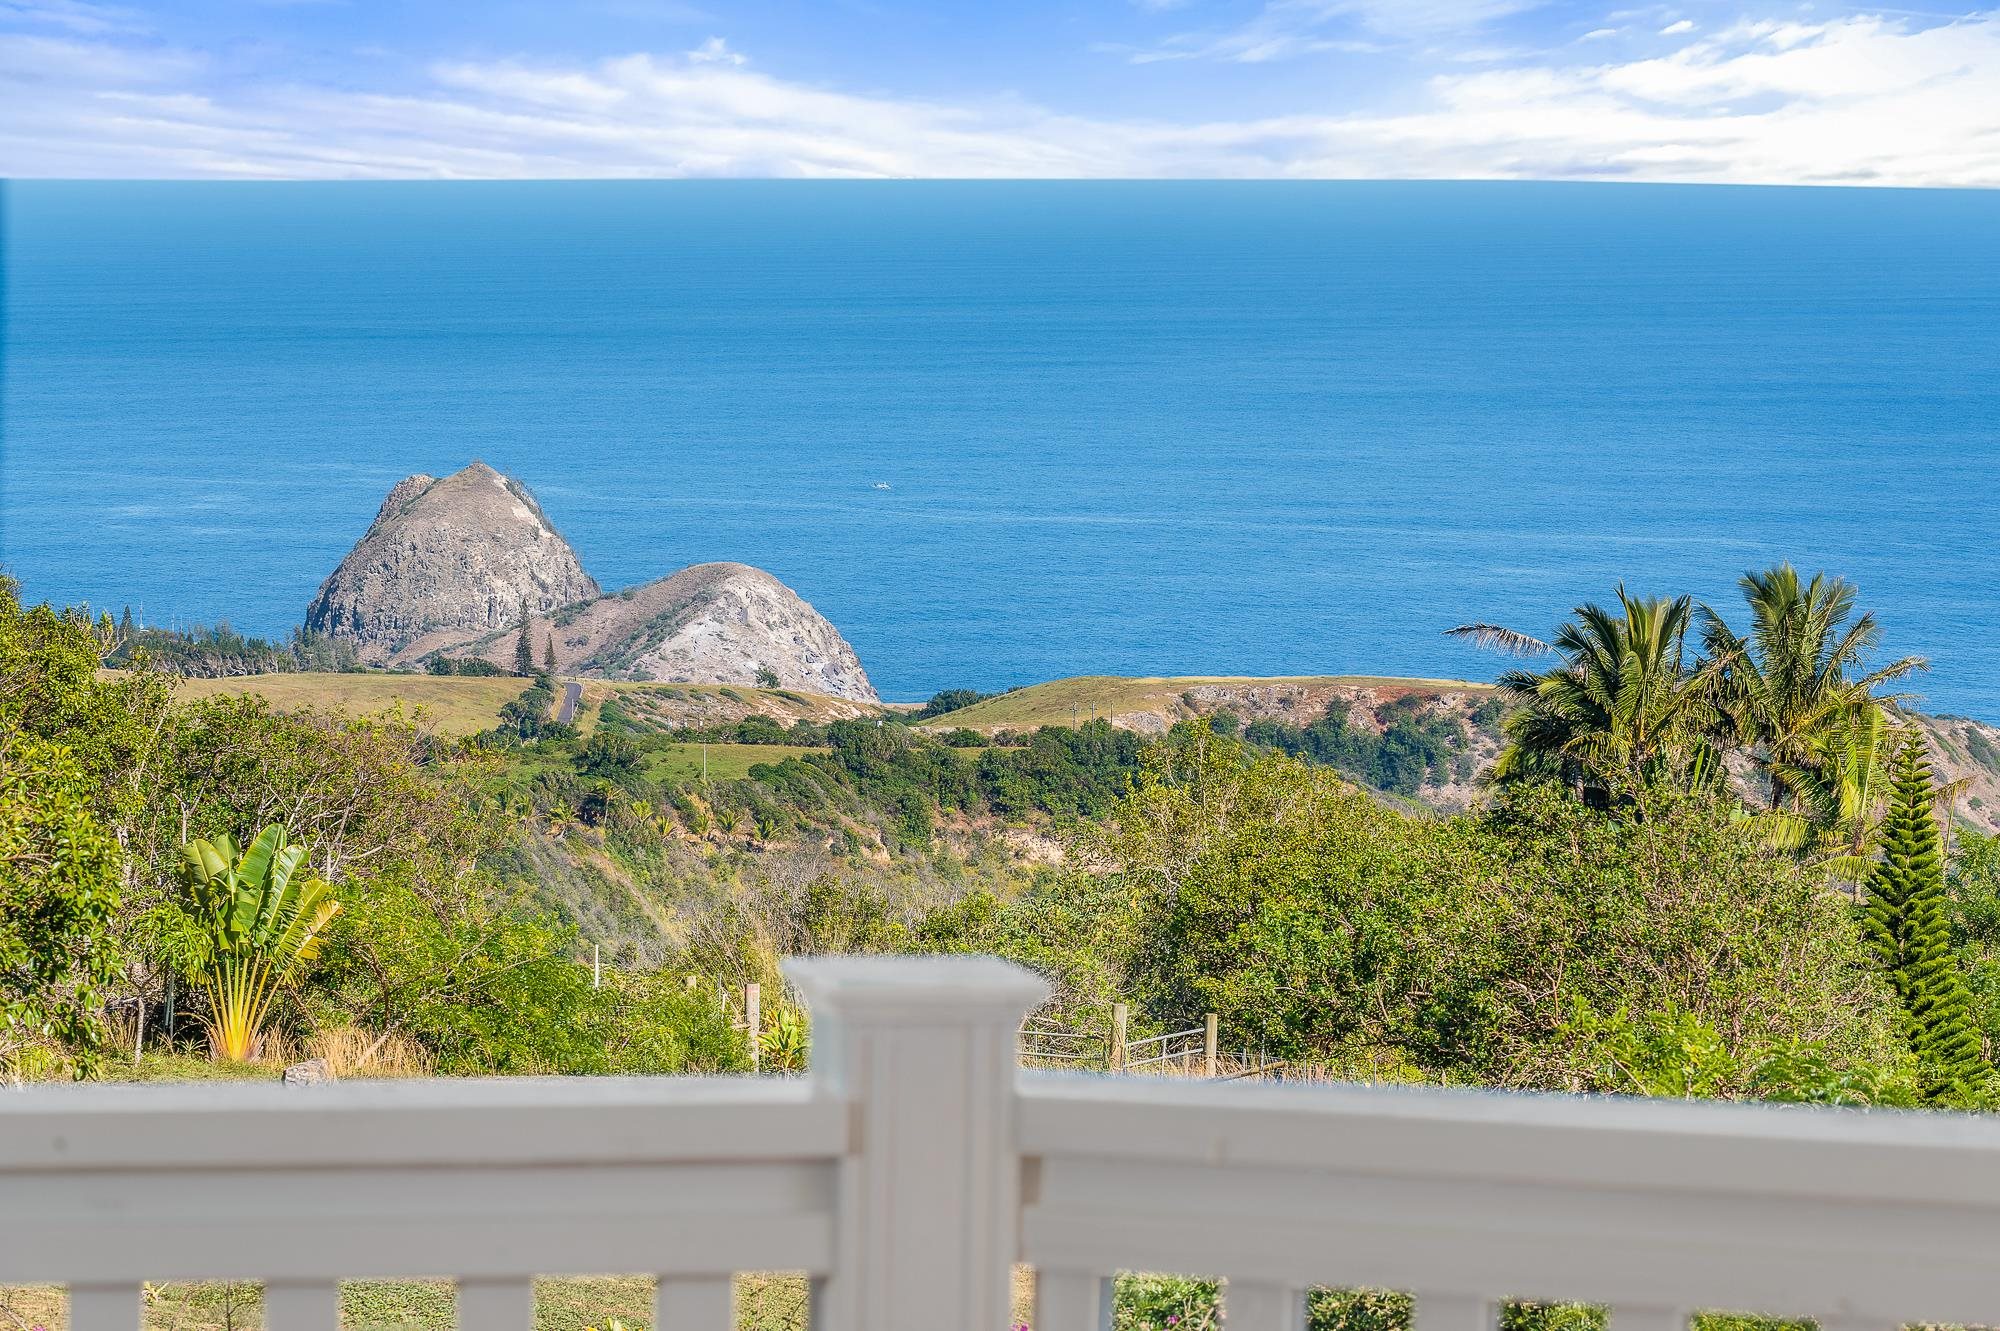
(1623, 711)
(1840, 795)
(1787, 687)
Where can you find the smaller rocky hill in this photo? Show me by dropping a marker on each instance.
(446, 560)
(709, 623)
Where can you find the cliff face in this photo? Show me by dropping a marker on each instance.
(707, 624)
(1966, 753)
(445, 561)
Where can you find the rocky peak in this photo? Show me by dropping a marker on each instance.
(707, 624)
(716, 623)
(446, 561)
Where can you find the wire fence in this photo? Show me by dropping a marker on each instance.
(1193, 1052)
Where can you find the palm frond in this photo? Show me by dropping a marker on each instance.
(1497, 638)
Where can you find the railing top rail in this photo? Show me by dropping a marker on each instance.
(499, 1121)
(1470, 1136)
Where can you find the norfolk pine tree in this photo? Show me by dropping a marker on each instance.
(1906, 924)
(524, 650)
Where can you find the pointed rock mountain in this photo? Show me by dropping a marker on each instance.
(447, 561)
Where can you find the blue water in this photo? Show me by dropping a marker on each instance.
(1133, 428)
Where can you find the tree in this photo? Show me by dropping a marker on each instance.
(609, 755)
(1320, 924)
(1839, 797)
(1624, 709)
(1788, 687)
(549, 655)
(767, 678)
(59, 871)
(524, 650)
(1907, 924)
(948, 700)
(260, 918)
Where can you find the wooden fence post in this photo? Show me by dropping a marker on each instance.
(1210, 1030)
(1119, 1015)
(753, 1017)
(928, 1191)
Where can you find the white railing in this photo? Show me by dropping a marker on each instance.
(915, 1166)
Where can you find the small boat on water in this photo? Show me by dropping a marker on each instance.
(881, 485)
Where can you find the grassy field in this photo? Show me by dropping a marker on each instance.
(454, 705)
(1063, 701)
(466, 705)
(726, 762)
(682, 762)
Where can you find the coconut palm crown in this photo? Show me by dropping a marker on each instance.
(1790, 687)
(1623, 709)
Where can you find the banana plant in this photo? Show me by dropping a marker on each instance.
(260, 917)
(787, 1043)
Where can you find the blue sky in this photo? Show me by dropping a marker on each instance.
(1703, 91)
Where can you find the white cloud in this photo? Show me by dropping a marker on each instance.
(1598, 34)
(71, 15)
(1855, 99)
(1284, 29)
(1677, 27)
(715, 51)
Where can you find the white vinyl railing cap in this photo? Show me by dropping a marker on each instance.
(918, 990)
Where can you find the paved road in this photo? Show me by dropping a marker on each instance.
(566, 709)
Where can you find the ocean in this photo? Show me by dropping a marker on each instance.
(1004, 432)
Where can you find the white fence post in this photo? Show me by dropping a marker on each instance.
(922, 1050)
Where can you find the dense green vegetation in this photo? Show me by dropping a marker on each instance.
(1534, 944)
(949, 700)
(463, 666)
(104, 780)
(1412, 750)
(214, 652)
(1615, 917)
(859, 783)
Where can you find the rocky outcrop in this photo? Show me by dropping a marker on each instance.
(1966, 757)
(446, 561)
(708, 624)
